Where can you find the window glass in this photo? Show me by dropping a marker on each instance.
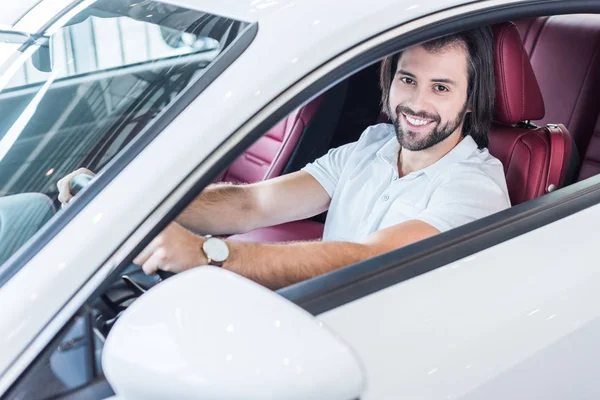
(80, 96)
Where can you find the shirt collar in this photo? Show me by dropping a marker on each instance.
(464, 148)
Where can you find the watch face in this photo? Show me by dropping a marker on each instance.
(216, 249)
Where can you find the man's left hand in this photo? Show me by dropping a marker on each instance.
(175, 250)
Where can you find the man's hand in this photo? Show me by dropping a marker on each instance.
(64, 192)
(175, 250)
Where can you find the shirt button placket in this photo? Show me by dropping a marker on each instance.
(385, 197)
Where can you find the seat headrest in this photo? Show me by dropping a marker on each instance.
(518, 95)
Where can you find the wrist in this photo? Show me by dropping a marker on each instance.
(202, 259)
(215, 250)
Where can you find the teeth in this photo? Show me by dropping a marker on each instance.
(416, 121)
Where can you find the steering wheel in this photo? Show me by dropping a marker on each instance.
(78, 183)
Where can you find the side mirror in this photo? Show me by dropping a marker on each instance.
(211, 334)
(42, 58)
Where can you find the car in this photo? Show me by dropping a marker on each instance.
(162, 98)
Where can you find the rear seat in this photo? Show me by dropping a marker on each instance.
(565, 54)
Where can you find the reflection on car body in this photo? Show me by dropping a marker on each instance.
(481, 311)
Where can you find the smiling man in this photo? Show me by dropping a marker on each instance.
(426, 173)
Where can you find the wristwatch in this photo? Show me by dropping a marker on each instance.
(215, 250)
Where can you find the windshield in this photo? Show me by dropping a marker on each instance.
(77, 97)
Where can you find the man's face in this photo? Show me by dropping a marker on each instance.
(428, 95)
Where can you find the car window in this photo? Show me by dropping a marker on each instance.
(85, 92)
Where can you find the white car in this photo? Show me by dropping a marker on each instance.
(163, 98)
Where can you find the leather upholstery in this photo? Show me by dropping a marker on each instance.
(267, 157)
(526, 156)
(565, 55)
(518, 96)
(590, 164)
(533, 158)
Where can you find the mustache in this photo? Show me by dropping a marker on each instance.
(418, 114)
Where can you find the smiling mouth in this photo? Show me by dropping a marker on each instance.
(416, 122)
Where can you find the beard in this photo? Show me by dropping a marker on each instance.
(411, 141)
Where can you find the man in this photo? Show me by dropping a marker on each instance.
(427, 173)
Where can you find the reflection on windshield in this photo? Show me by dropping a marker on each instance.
(79, 97)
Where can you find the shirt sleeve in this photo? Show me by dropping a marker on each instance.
(328, 168)
(463, 197)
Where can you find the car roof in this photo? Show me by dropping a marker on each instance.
(256, 10)
(12, 11)
(284, 13)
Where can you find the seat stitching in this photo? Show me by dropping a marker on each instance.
(522, 87)
(504, 85)
(540, 175)
(587, 75)
(297, 120)
(537, 38)
(529, 26)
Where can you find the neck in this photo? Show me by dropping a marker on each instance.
(411, 161)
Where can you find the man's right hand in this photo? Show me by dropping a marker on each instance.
(64, 192)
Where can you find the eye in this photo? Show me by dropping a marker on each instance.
(407, 80)
(440, 88)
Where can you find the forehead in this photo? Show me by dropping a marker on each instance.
(449, 62)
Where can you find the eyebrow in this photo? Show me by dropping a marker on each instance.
(437, 80)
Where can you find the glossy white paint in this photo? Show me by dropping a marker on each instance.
(11, 11)
(60, 270)
(519, 320)
(40, 14)
(209, 333)
(526, 314)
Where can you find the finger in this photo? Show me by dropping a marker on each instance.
(64, 194)
(145, 254)
(64, 190)
(153, 264)
(84, 171)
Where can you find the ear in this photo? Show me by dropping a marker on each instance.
(469, 104)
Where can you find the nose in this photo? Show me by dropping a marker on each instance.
(419, 99)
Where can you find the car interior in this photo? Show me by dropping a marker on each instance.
(546, 133)
(540, 129)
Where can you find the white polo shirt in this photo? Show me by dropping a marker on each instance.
(367, 195)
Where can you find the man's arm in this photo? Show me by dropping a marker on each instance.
(227, 209)
(280, 265)
(277, 265)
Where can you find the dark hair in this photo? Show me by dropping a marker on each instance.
(481, 89)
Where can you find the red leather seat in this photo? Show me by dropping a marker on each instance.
(267, 157)
(565, 54)
(536, 160)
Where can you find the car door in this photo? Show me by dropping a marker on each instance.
(149, 213)
(118, 77)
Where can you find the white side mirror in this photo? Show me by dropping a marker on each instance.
(211, 334)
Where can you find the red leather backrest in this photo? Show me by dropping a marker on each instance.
(565, 54)
(267, 157)
(518, 96)
(534, 160)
